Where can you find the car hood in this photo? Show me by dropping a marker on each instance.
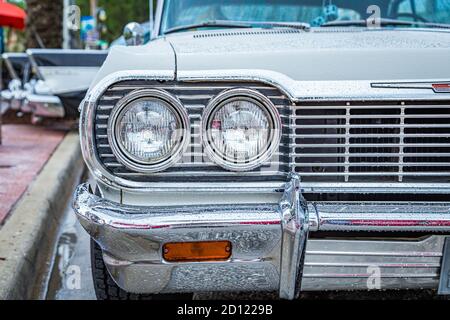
(324, 63)
(321, 54)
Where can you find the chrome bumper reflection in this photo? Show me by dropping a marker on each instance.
(270, 247)
(13, 98)
(6, 95)
(268, 243)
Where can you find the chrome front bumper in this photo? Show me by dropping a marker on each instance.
(270, 247)
(47, 106)
(13, 98)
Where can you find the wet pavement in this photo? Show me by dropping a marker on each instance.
(69, 276)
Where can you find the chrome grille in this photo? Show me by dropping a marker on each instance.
(372, 142)
(195, 166)
(365, 142)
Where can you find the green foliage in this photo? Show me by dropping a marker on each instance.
(19, 3)
(119, 13)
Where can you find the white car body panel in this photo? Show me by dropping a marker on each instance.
(319, 55)
(153, 57)
(56, 78)
(306, 65)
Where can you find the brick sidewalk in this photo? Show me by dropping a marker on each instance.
(24, 151)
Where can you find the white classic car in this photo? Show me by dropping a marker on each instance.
(49, 83)
(274, 146)
(63, 77)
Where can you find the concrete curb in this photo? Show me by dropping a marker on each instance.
(28, 234)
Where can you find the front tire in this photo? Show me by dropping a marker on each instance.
(106, 289)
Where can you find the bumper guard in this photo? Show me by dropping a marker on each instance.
(269, 241)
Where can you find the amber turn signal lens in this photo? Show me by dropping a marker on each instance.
(197, 251)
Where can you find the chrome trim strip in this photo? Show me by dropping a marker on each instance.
(241, 187)
(371, 216)
(349, 187)
(437, 87)
(125, 217)
(306, 91)
(188, 172)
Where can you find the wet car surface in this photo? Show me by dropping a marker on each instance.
(69, 275)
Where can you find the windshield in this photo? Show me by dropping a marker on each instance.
(179, 13)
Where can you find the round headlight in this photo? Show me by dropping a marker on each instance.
(149, 130)
(241, 129)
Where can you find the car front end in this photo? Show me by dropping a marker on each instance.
(271, 159)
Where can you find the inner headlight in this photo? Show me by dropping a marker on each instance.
(149, 130)
(241, 129)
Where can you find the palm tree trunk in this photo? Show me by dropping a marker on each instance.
(44, 23)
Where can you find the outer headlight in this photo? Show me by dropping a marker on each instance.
(241, 129)
(149, 130)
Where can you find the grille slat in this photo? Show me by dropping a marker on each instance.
(320, 155)
(376, 164)
(371, 106)
(380, 173)
(371, 145)
(373, 126)
(369, 135)
(382, 116)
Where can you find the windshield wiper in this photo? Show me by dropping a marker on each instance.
(209, 23)
(273, 24)
(240, 24)
(385, 22)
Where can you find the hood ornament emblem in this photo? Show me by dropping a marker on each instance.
(441, 87)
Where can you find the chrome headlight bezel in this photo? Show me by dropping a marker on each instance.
(261, 101)
(129, 160)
